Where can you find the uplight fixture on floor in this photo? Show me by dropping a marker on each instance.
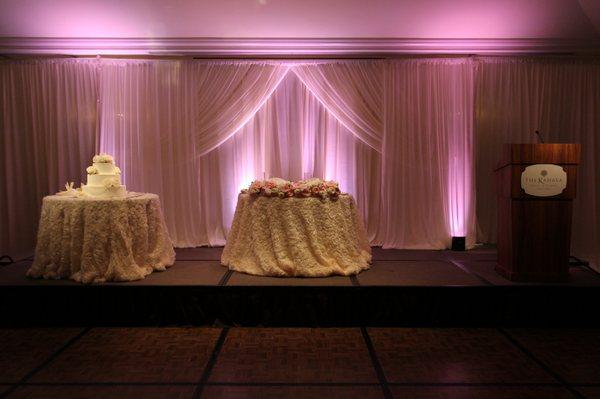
(458, 243)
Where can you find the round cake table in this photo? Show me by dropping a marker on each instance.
(309, 237)
(96, 240)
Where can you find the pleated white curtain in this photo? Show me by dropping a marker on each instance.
(352, 92)
(48, 133)
(160, 120)
(294, 136)
(149, 122)
(160, 117)
(428, 193)
(561, 99)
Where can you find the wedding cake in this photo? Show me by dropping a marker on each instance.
(103, 178)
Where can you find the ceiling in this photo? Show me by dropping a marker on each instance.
(43, 22)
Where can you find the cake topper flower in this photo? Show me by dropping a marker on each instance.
(103, 158)
(92, 170)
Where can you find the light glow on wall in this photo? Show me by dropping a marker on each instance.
(298, 19)
(458, 197)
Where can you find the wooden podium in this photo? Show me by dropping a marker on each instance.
(534, 229)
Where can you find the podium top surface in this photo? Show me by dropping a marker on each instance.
(554, 153)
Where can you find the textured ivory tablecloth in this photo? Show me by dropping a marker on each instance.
(306, 237)
(97, 240)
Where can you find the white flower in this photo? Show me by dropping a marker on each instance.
(279, 182)
(92, 170)
(110, 183)
(313, 181)
(103, 158)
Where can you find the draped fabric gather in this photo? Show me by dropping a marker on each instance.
(413, 140)
(196, 133)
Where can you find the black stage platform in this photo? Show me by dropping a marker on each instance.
(403, 288)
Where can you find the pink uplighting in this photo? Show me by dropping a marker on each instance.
(459, 187)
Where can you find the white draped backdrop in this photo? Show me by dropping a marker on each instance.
(561, 99)
(414, 140)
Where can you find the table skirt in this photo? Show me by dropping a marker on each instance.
(94, 240)
(308, 237)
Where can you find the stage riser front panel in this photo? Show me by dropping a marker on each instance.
(520, 306)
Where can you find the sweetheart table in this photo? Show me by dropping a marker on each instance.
(95, 240)
(309, 237)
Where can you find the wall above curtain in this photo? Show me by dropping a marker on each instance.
(292, 28)
(506, 19)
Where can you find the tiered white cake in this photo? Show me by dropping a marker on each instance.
(104, 178)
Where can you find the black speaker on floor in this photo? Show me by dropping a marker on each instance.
(458, 243)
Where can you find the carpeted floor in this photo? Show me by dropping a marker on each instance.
(299, 363)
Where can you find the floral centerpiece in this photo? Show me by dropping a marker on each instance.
(281, 188)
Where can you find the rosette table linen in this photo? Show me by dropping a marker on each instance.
(297, 237)
(97, 240)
